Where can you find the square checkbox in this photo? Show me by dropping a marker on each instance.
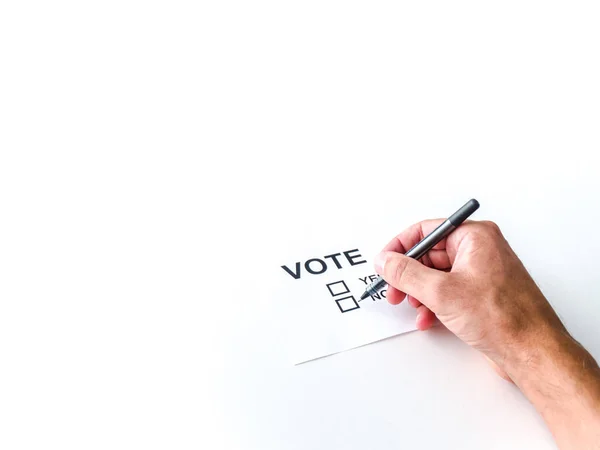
(347, 304)
(338, 288)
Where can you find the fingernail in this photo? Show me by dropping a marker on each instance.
(380, 262)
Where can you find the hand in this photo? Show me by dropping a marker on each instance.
(486, 297)
(478, 288)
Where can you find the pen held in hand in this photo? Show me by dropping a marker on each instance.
(428, 242)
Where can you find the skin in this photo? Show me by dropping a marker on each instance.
(475, 285)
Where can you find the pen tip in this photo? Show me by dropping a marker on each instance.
(364, 295)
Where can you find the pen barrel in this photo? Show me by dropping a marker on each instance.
(463, 213)
(431, 240)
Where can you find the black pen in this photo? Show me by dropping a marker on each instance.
(429, 241)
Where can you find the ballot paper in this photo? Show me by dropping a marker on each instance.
(322, 290)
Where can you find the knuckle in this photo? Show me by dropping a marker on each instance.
(485, 234)
(491, 227)
(478, 238)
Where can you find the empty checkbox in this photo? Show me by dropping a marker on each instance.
(347, 304)
(338, 288)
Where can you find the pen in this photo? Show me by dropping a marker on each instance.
(428, 242)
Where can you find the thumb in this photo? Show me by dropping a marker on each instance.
(410, 276)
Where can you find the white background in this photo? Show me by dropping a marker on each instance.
(158, 159)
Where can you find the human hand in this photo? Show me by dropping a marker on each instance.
(475, 284)
(481, 290)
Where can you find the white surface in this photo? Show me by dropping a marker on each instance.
(158, 159)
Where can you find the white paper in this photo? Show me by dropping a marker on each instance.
(324, 309)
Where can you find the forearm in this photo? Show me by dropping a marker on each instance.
(562, 380)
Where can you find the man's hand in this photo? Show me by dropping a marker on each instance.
(478, 288)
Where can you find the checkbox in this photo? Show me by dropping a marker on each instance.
(338, 288)
(347, 304)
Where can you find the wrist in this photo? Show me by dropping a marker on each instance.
(553, 356)
(562, 380)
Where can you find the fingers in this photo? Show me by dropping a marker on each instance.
(414, 302)
(410, 276)
(425, 318)
(394, 296)
(437, 257)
